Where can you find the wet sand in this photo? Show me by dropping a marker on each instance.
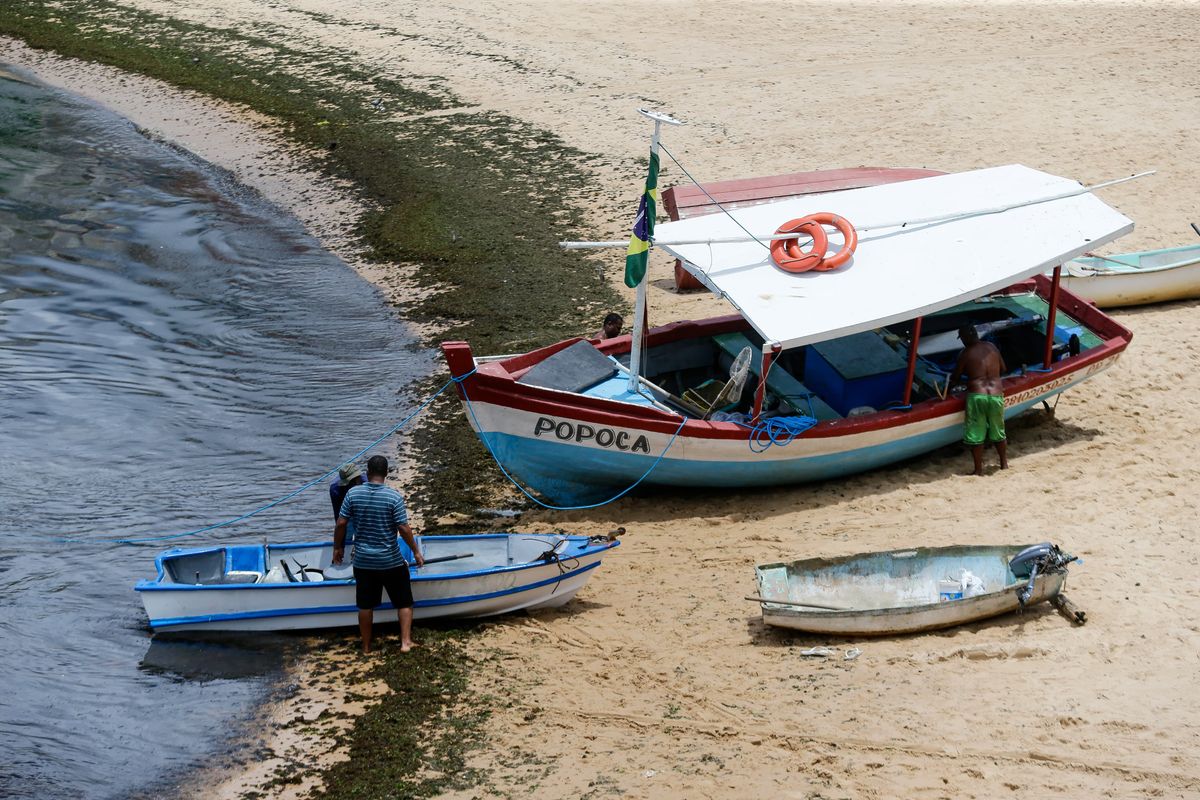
(659, 681)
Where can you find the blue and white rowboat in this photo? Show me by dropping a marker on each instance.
(276, 587)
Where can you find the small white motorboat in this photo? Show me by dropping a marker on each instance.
(275, 587)
(907, 591)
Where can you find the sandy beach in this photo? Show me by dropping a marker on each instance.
(659, 680)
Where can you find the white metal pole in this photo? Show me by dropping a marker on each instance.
(639, 325)
(870, 226)
(639, 306)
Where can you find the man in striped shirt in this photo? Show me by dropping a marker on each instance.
(378, 514)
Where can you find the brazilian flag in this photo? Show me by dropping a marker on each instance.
(638, 253)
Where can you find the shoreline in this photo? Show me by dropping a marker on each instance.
(253, 151)
(246, 144)
(469, 225)
(309, 724)
(296, 734)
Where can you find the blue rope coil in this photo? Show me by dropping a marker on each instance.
(776, 431)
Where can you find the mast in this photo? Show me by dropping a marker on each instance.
(639, 311)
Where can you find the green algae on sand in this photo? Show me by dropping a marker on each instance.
(471, 202)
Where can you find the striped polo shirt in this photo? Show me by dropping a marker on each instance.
(375, 511)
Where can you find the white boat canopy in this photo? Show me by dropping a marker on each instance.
(991, 228)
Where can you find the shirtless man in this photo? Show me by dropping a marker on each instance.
(982, 365)
(612, 327)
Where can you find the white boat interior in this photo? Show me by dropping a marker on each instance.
(900, 579)
(860, 373)
(1141, 261)
(312, 562)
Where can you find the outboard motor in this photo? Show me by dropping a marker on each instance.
(1034, 560)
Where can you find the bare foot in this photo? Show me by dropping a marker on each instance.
(406, 646)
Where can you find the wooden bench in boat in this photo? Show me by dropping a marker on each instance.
(778, 381)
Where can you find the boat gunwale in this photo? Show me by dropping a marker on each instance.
(493, 382)
(900, 552)
(156, 584)
(822, 562)
(434, 602)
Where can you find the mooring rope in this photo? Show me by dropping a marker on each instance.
(320, 478)
(524, 491)
(325, 475)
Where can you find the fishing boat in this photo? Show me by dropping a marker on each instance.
(908, 591)
(818, 374)
(277, 587)
(1139, 278)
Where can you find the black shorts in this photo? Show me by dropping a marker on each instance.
(371, 583)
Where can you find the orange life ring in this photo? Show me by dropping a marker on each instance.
(786, 253)
(849, 240)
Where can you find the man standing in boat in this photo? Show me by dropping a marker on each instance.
(379, 515)
(983, 366)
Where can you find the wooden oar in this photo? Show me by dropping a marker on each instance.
(440, 559)
(798, 605)
(1069, 609)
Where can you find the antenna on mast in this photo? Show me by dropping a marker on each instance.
(660, 117)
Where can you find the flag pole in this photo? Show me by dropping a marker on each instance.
(639, 311)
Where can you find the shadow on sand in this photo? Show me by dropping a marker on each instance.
(763, 635)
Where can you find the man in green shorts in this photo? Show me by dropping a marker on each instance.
(982, 365)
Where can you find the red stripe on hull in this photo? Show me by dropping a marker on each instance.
(495, 382)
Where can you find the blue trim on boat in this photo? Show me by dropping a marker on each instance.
(157, 585)
(301, 612)
(569, 474)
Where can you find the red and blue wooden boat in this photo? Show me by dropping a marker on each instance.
(848, 367)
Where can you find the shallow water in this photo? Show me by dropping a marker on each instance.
(173, 352)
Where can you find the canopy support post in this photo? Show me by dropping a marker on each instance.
(914, 340)
(769, 352)
(1050, 315)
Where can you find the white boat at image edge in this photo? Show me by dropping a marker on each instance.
(1134, 279)
(275, 587)
(908, 591)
